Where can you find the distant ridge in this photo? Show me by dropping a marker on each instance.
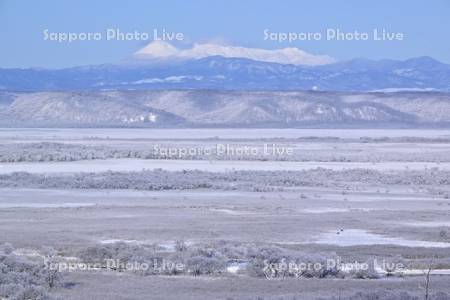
(225, 73)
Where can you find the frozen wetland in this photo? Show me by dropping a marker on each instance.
(358, 195)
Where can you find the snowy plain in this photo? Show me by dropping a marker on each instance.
(362, 219)
(215, 133)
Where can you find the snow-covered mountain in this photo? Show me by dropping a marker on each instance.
(210, 66)
(208, 108)
(294, 56)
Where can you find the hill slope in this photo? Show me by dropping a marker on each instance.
(223, 108)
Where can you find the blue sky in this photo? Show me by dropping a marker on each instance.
(426, 25)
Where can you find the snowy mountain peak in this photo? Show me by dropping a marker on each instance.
(295, 56)
(158, 49)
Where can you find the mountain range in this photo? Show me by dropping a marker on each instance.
(211, 85)
(212, 108)
(207, 66)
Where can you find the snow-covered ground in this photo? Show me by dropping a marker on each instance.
(356, 237)
(402, 210)
(130, 165)
(243, 133)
